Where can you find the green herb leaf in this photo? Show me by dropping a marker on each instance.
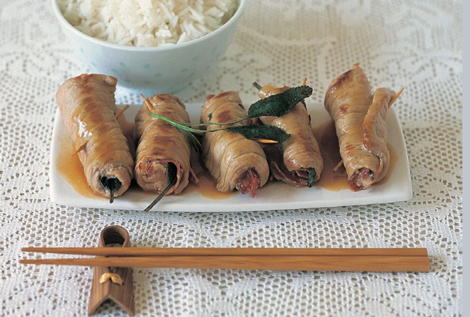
(311, 176)
(279, 104)
(111, 184)
(260, 131)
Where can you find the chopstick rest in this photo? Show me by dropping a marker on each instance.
(113, 283)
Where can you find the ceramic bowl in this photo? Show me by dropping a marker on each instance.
(151, 70)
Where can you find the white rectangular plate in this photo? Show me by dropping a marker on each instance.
(276, 196)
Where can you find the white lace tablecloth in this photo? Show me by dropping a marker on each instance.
(411, 44)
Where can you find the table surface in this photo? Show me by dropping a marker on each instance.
(416, 45)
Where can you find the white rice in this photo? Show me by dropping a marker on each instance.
(147, 23)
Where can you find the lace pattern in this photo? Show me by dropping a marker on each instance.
(416, 45)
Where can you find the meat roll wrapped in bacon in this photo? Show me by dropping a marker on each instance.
(359, 116)
(163, 151)
(233, 160)
(297, 160)
(88, 109)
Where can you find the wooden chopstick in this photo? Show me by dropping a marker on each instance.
(318, 259)
(378, 263)
(107, 251)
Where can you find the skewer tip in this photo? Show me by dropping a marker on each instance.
(121, 111)
(147, 103)
(266, 141)
(172, 178)
(257, 86)
(80, 148)
(395, 97)
(336, 168)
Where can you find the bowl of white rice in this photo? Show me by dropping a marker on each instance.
(150, 46)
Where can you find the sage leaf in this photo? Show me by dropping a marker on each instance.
(260, 131)
(279, 104)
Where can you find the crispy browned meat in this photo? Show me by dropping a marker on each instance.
(160, 144)
(299, 154)
(361, 128)
(88, 108)
(234, 161)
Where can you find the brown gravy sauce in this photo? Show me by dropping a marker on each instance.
(70, 167)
